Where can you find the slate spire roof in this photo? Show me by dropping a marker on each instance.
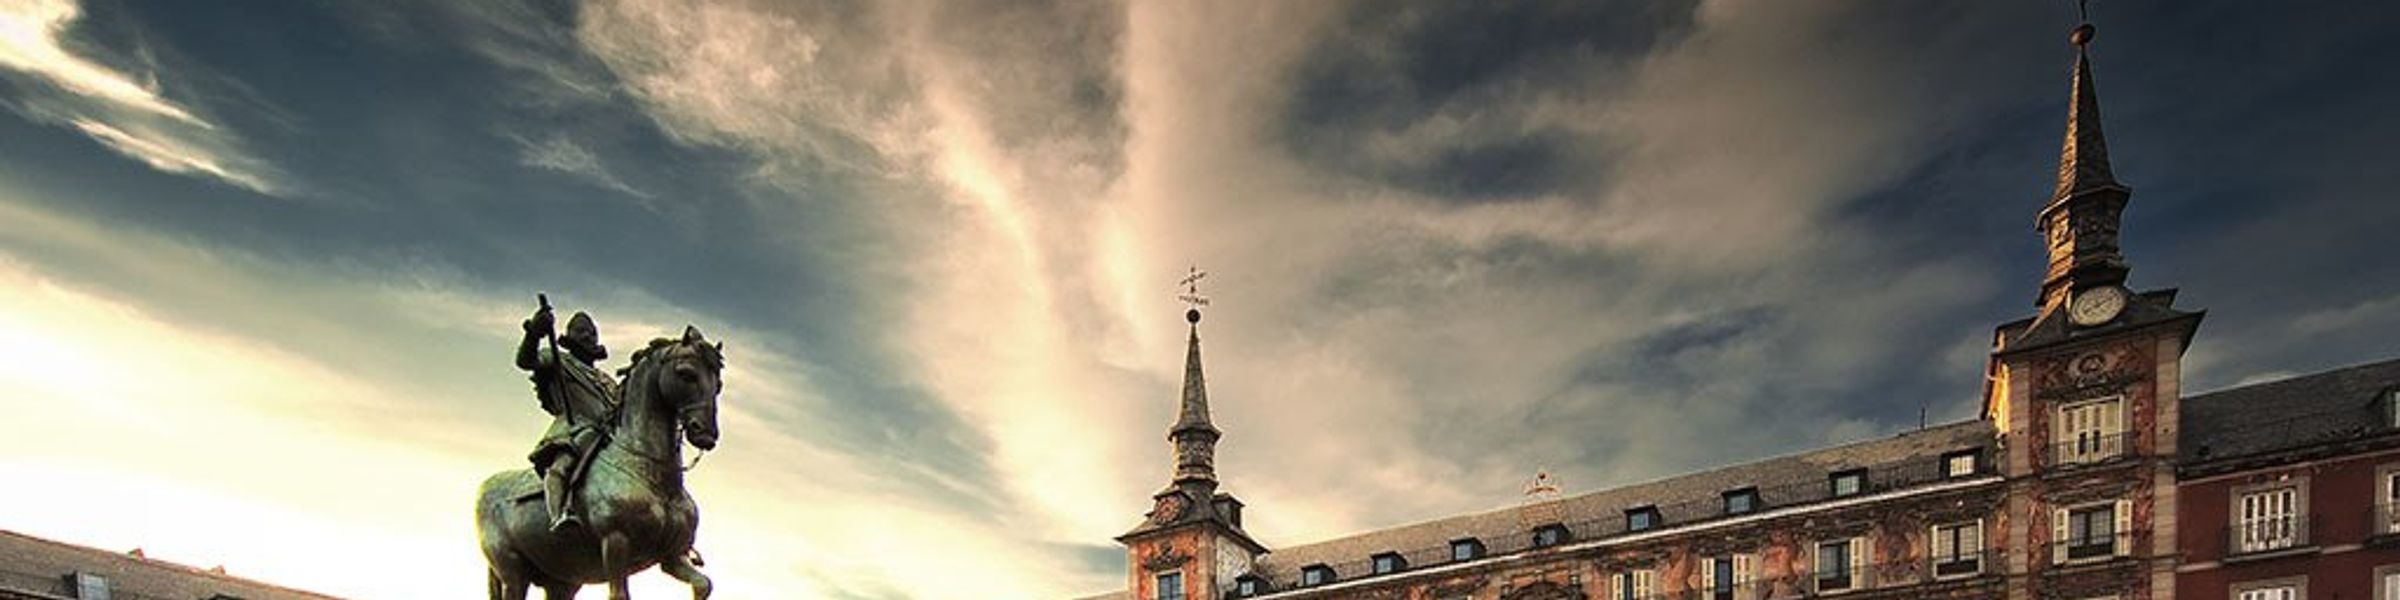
(2083, 157)
(1194, 412)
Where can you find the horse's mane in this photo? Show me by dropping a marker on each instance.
(711, 354)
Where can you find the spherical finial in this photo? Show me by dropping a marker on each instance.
(1192, 316)
(2082, 36)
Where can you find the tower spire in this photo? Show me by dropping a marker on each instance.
(2079, 224)
(1194, 438)
(2083, 158)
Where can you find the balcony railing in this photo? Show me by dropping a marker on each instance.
(2091, 449)
(2267, 535)
(2086, 549)
(1860, 579)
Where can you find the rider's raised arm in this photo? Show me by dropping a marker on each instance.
(529, 354)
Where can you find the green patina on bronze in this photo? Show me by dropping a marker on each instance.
(605, 497)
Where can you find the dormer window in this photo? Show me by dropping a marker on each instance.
(1641, 519)
(1737, 502)
(1549, 535)
(1316, 575)
(1962, 463)
(1248, 585)
(1388, 562)
(2391, 404)
(91, 586)
(1466, 549)
(1848, 483)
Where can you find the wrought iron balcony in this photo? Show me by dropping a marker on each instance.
(2267, 535)
(2386, 520)
(2090, 548)
(2092, 449)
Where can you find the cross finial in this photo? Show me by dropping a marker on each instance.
(1191, 294)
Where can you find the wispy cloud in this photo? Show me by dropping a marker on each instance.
(127, 115)
(564, 155)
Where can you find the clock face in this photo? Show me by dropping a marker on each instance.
(2095, 306)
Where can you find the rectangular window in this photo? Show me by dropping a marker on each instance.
(1246, 587)
(2090, 531)
(1720, 580)
(2090, 431)
(1728, 577)
(1637, 584)
(1957, 549)
(1848, 483)
(1641, 519)
(1835, 565)
(1741, 501)
(2280, 592)
(1170, 586)
(1387, 563)
(1466, 549)
(2390, 584)
(2387, 502)
(1549, 535)
(91, 587)
(1961, 463)
(2268, 520)
(1316, 575)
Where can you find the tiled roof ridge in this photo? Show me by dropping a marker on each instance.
(146, 561)
(2296, 379)
(1650, 482)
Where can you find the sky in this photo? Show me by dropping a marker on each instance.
(261, 270)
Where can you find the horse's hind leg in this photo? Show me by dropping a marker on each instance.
(681, 568)
(616, 558)
(560, 592)
(504, 588)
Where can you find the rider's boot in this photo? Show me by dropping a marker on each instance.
(555, 496)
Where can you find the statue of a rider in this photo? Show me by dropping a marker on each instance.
(580, 398)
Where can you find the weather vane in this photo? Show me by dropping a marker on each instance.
(1191, 294)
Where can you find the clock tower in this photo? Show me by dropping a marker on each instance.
(2084, 394)
(1191, 544)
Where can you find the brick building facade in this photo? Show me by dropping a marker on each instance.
(2088, 475)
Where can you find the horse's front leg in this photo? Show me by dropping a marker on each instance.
(616, 559)
(681, 568)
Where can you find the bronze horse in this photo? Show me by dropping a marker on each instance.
(636, 511)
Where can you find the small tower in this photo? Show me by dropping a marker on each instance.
(2084, 395)
(1190, 544)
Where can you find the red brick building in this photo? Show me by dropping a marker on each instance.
(33, 568)
(2291, 494)
(2089, 475)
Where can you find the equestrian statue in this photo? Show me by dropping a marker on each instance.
(605, 497)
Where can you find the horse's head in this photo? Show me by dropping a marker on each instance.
(685, 374)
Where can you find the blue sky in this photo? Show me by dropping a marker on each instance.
(260, 269)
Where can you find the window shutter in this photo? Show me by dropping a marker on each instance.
(1743, 564)
(2058, 536)
(1860, 547)
(1616, 587)
(1971, 540)
(1708, 574)
(2124, 529)
(2061, 436)
(1645, 583)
